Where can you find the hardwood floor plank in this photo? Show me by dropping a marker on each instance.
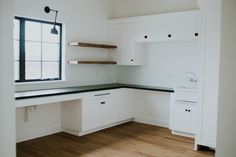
(127, 140)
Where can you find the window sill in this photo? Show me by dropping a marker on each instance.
(39, 82)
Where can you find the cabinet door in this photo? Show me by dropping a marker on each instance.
(123, 108)
(108, 111)
(147, 31)
(184, 118)
(92, 114)
(184, 26)
(123, 36)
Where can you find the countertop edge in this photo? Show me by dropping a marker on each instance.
(140, 87)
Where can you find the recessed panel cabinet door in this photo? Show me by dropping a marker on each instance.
(184, 118)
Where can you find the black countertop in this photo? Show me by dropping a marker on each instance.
(81, 89)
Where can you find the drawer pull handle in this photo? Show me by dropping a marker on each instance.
(103, 103)
(185, 101)
(102, 94)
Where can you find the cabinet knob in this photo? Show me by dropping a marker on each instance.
(145, 36)
(169, 35)
(132, 60)
(186, 110)
(103, 102)
(196, 34)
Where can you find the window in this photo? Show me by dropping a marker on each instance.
(37, 52)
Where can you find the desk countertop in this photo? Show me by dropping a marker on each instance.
(82, 89)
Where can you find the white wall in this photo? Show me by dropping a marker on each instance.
(84, 20)
(127, 8)
(166, 65)
(7, 129)
(226, 140)
(41, 121)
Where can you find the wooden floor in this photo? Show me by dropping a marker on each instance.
(127, 140)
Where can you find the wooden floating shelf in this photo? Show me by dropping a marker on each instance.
(81, 44)
(92, 62)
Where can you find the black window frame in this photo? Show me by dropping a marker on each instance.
(22, 55)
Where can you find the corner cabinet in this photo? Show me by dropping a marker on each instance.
(128, 51)
(132, 35)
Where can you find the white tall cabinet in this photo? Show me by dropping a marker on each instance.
(208, 106)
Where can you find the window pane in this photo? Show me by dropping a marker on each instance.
(32, 31)
(50, 70)
(48, 36)
(32, 51)
(16, 50)
(16, 70)
(51, 52)
(33, 70)
(16, 29)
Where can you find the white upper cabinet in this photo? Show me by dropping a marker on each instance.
(131, 34)
(128, 52)
(123, 36)
(168, 27)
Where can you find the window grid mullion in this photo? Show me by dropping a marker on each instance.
(41, 51)
(22, 50)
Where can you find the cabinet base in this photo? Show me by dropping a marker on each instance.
(182, 134)
(198, 147)
(82, 133)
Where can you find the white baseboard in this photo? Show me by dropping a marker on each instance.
(52, 130)
(152, 122)
(183, 134)
(37, 133)
(82, 133)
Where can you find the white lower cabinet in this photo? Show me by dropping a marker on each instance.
(123, 107)
(184, 117)
(96, 111)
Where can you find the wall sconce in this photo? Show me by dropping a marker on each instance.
(48, 10)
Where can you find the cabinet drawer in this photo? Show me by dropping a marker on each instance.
(101, 94)
(186, 96)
